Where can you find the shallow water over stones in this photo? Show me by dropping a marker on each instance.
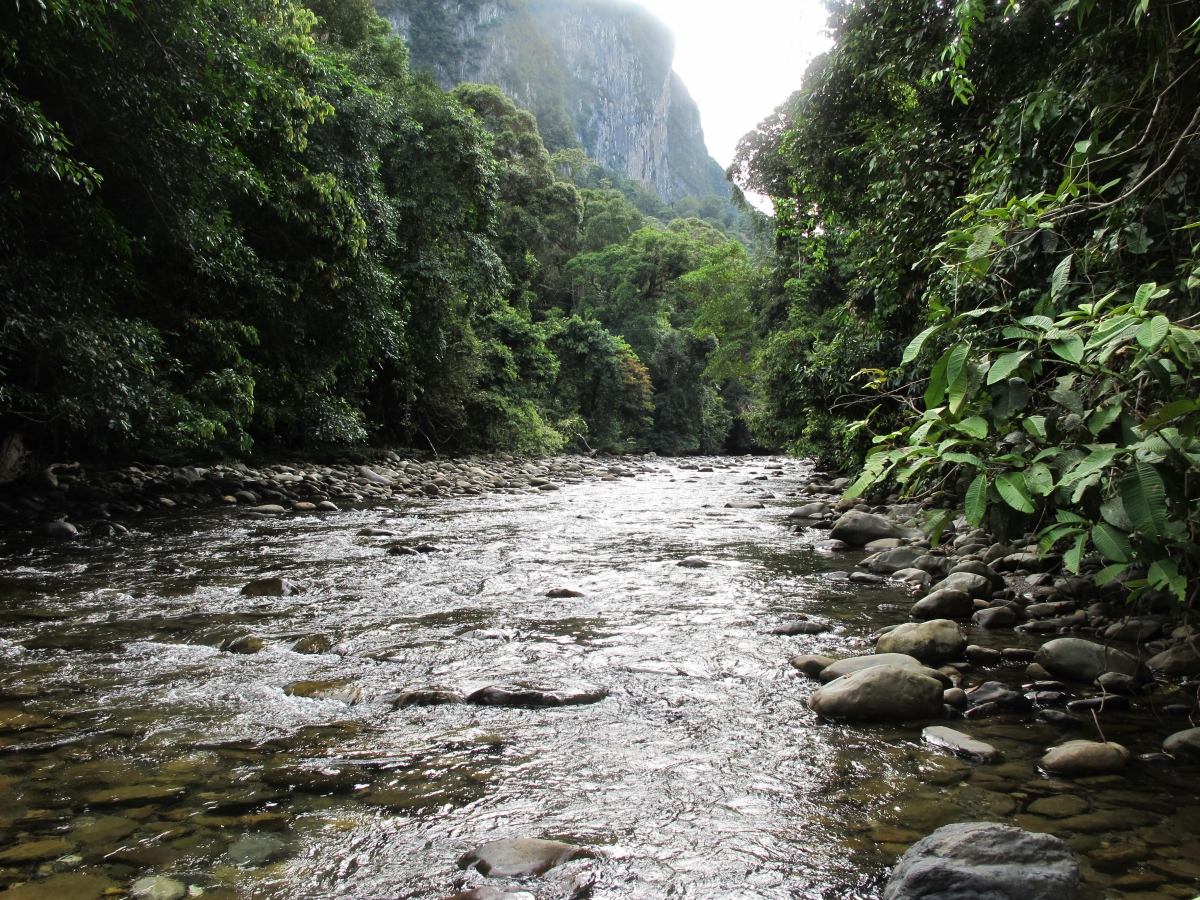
(157, 721)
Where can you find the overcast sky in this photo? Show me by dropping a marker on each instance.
(741, 58)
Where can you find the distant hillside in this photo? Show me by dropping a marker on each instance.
(596, 73)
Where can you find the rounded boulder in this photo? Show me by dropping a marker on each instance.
(932, 642)
(1078, 759)
(880, 694)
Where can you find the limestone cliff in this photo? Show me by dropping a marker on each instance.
(596, 73)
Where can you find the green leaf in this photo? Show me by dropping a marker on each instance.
(969, 459)
(1113, 511)
(1145, 500)
(937, 525)
(1039, 479)
(937, 382)
(913, 350)
(1145, 293)
(1164, 573)
(1012, 488)
(1061, 278)
(1036, 426)
(1114, 544)
(1104, 576)
(1042, 323)
(1096, 461)
(975, 503)
(1104, 416)
(1152, 333)
(1169, 413)
(1069, 518)
(1005, 365)
(1069, 348)
(1069, 399)
(1073, 557)
(975, 426)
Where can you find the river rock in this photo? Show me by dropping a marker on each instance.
(695, 562)
(985, 861)
(934, 642)
(1183, 744)
(995, 617)
(809, 511)
(269, 509)
(744, 504)
(961, 744)
(533, 697)
(157, 887)
(1116, 683)
(61, 531)
(327, 506)
(975, 567)
(487, 892)
(313, 645)
(975, 586)
(67, 886)
(810, 665)
(1134, 630)
(563, 593)
(271, 587)
(255, 850)
(870, 661)
(1084, 758)
(35, 851)
(881, 694)
(944, 604)
(892, 561)
(1179, 661)
(520, 857)
(1083, 661)
(858, 529)
(802, 627)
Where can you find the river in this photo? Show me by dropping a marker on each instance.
(148, 749)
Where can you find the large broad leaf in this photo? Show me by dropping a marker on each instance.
(1061, 278)
(1152, 333)
(1012, 488)
(937, 382)
(1113, 511)
(1169, 413)
(1036, 426)
(976, 501)
(913, 350)
(968, 459)
(1110, 573)
(937, 525)
(1073, 557)
(1164, 574)
(1094, 463)
(1006, 365)
(1105, 416)
(975, 426)
(1114, 544)
(1145, 500)
(1068, 398)
(1039, 479)
(956, 363)
(1069, 348)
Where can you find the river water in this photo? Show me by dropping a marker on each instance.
(277, 774)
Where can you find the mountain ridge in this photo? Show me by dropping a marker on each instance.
(597, 74)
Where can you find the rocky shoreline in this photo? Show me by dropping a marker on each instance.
(66, 501)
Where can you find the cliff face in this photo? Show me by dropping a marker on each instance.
(596, 73)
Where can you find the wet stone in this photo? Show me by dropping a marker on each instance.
(961, 744)
(810, 665)
(157, 887)
(67, 886)
(519, 857)
(35, 851)
(881, 693)
(1059, 806)
(312, 645)
(271, 587)
(801, 627)
(1084, 758)
(533, 697)
(256, 850)
(427, 698)
(105, 830)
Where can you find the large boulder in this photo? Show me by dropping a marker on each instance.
(859, 528)
(975, 567)
(880, 694)
(946, 604)
(1184, 744)
(1084, 661)
(995, 617)
(892, 561)
(985, 861)
(1079, 759)
(1177, 662)
(932, 642)
(858, 663)
(975, 586)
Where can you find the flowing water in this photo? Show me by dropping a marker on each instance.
(132, 744)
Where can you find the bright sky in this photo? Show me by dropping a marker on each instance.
(741, 58)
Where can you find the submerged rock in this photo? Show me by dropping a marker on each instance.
(810, 665)
(1083, 661)
(520, 857)
(695, 562)
(881, 694)
(800, 627)
(255, 850)
(985, 861)
(1083, 758)
(157, 887)
(434, 697)
(562, 593)
(67, 886)
(271, 587)
(526, 698)
(961, 744)
(935, 641)
(313, 645)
